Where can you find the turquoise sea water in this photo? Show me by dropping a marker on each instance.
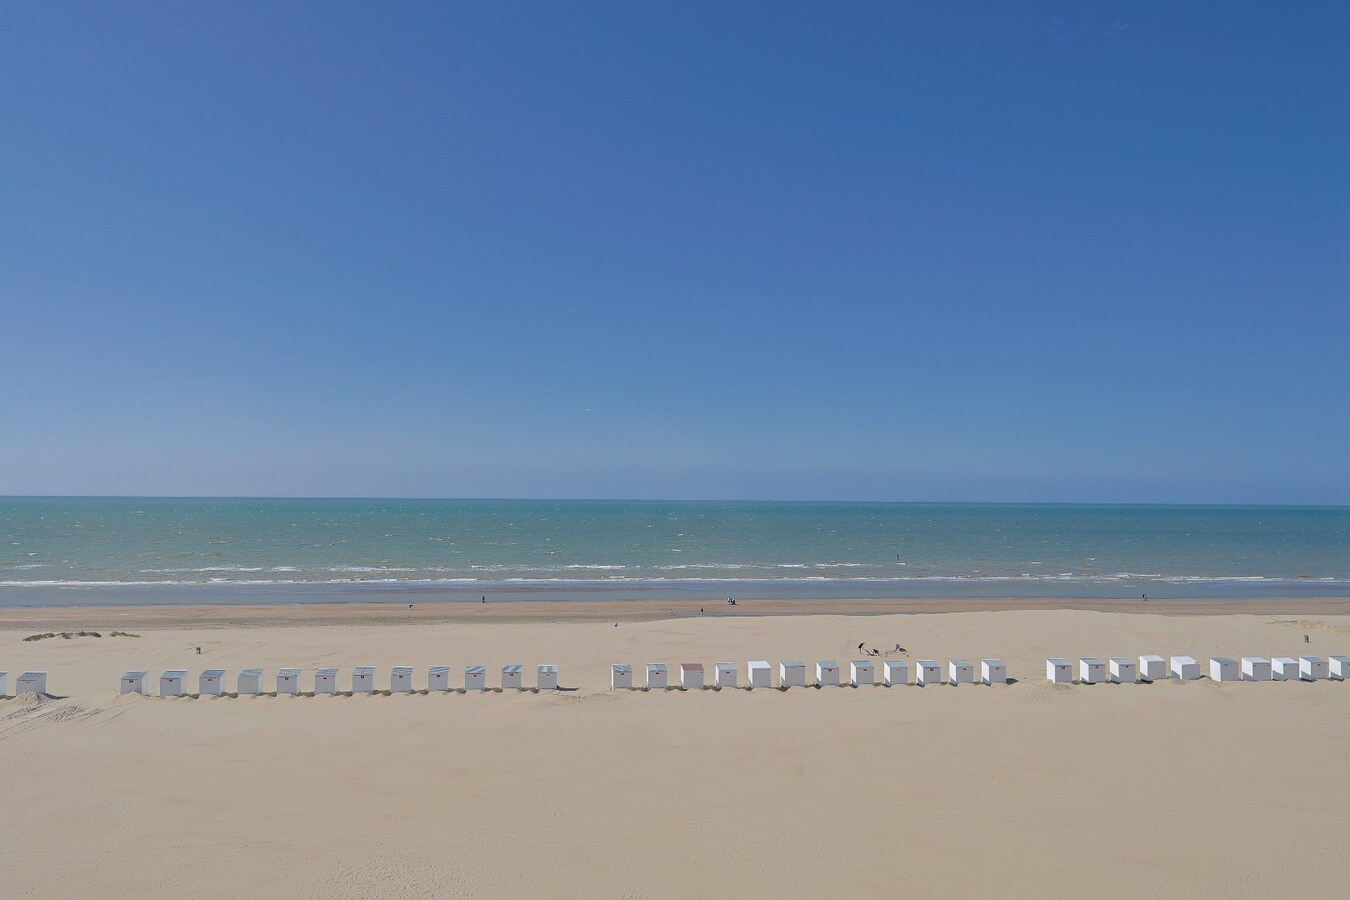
(58, 551)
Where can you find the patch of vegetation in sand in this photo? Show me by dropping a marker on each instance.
(67, 635)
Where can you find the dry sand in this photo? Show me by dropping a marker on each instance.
(1197, 789)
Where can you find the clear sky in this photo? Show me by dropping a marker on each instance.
(912, 251)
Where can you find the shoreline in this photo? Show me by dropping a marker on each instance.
(397, 612)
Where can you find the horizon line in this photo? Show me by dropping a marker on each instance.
(413, 499)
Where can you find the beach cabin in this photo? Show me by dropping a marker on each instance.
(171, 683)
(827, 672)
(325, 681)
(1185, 668)
(1152, 668)
(758, 673)
(792, 673)
(31, 683)
(860, 672)
(620, 676)
(724, 674)
(1123, 670)
(1223, 668)
(993, 671)
(4, 680)
(691, 676)
(960, 671)
(288, 681)
(211, 683)
(657, 676)
(1091, 670)
(1339, 669)
(1058, 671)
(133, 683)
(1312, 668)
(895, 671)
(1283, 668)
(438, 678)
(475, 678)
(363, 680)
(927, 671)
(511, 675)
(400, 680)
(250, 682)
(1255, 668)
(547, 677)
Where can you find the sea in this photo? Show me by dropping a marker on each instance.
(96, 551)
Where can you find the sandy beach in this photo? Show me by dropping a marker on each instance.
(1199, 789)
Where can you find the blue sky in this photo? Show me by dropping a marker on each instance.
(913, 251)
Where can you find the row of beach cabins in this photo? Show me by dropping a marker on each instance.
(759, 674)
(211, 682)
(792, 673)
(1092, 670)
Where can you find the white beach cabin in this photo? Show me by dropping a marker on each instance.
(475, 678)
(861, 672)
(400, 680)
(993, 671)
(250, 682)
(620, 676)
(724, 674)
(1058, 671)
(1312, 668)
(1185, 668)
(1223, 668)
(895, 671)
(691, 676)
(438, 678)
(1283, 668)
(325, 681)
(1152, 668)
(4, 680)
(171, 683)
(547, 677)
(827, 672)
(288, 681)
(658, 676)
(1255, 668)
(1091, 670)
(1123, 670)
(758, 673)
(511, 675)
(927, 671)
(792, 673)
(211, 683)
(31, 683)
(133, 683)
(1339, 669)
(363, 680)
(960, 671)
